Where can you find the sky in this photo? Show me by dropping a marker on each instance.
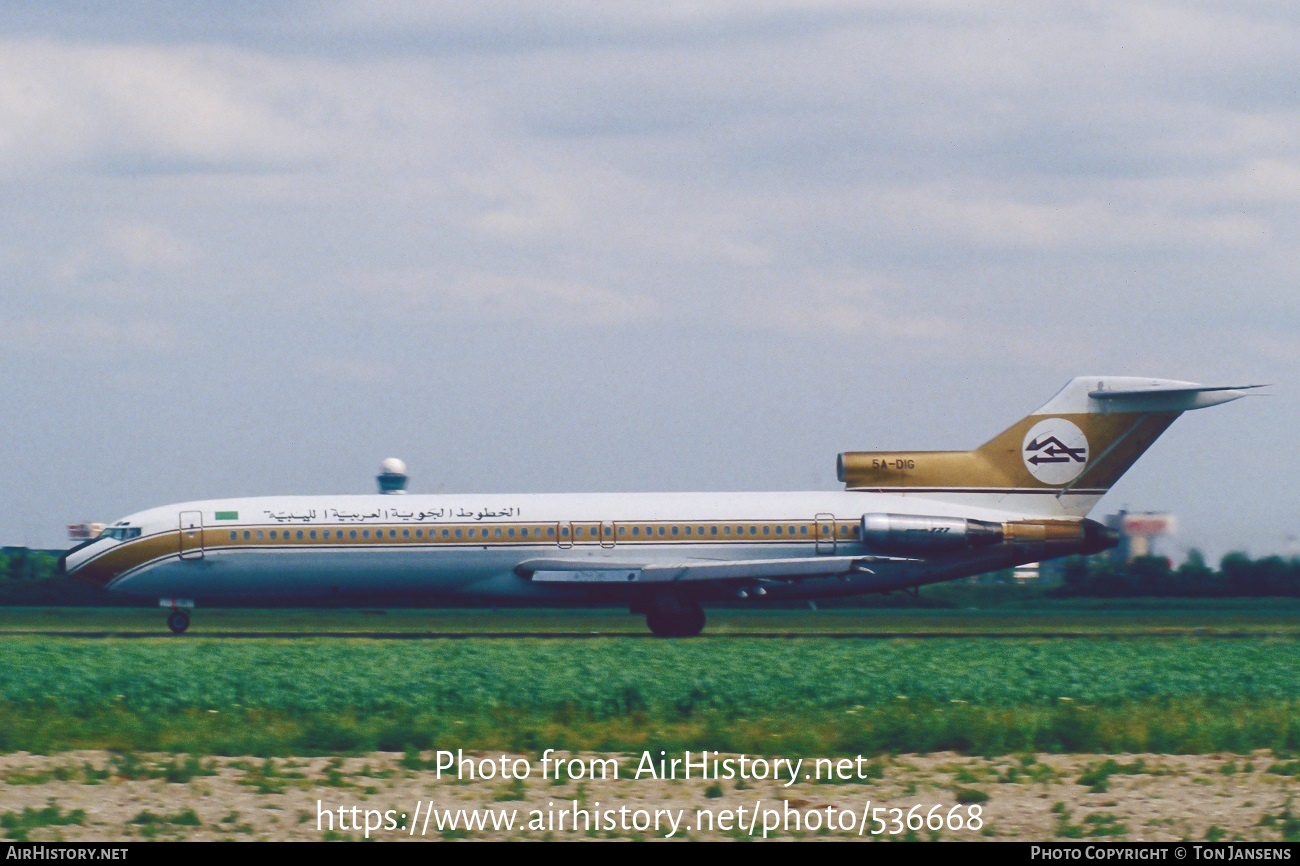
(254, 248)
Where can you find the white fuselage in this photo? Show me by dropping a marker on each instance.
(472, 546)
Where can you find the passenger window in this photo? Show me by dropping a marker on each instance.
(406, 533)
(300, 535)
(353, 534)
(636, 530)
(565, 532)
(803, 530)
(713, 530)
(550, 532)
(445, 533)
(365, 533)
(523, 533)
(312, 533)
(458, 533)
(726, 530)
(498, 532)
(674, 530)
(247, 535)
(471, 533)
(259, 535)
(688, 530)
(233, 535)
(779, 530)
(272, 533)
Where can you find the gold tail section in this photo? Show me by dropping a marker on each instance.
(1079, 443)
(1112, 444)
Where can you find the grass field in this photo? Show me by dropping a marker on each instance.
(802, 695)
(1275, 617)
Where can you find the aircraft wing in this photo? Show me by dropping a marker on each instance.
(696, 570)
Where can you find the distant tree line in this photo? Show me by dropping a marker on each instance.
(1237, 576)
(20, 563)
(29, 578)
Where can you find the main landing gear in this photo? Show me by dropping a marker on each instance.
(674, 616)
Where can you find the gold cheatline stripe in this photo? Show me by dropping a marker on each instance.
(1055, 491)
(136, 553)
(528, 533)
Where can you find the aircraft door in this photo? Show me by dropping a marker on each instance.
(825, 533)
(564, 535)
(191, 527)
(607, 535)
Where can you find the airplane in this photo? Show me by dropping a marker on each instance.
(904, 519)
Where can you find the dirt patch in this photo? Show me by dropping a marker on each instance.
(99, 796)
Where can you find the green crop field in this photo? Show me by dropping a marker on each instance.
(1275, 617)
(798, 695)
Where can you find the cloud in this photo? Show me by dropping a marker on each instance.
(142, 108)
(838, 305)
(499, 297)
(81, 334)
(354, 370)
(124, 251)
(991, 220)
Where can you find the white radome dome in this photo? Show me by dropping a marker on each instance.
(392, 466)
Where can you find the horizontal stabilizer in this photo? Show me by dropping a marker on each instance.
(1168, 397)
(597, 571)
(1172, 389)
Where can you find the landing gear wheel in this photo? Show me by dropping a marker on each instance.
(178, 621)
(675, 619)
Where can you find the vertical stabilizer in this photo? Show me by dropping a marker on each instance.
(1057, 461)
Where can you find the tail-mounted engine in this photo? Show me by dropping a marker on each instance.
(911, 533)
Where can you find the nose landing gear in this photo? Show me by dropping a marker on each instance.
(178, 621)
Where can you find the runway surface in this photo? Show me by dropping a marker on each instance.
(586, 635)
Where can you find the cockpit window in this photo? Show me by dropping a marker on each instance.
(121, 533)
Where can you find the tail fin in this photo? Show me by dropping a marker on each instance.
(1057, 461)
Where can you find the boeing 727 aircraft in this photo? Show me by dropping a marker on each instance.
(904, 519)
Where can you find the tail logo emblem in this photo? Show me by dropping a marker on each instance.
(1055, 451)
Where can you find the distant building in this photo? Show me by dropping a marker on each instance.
(79, 532)
(392, 476)
(1138, 531)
